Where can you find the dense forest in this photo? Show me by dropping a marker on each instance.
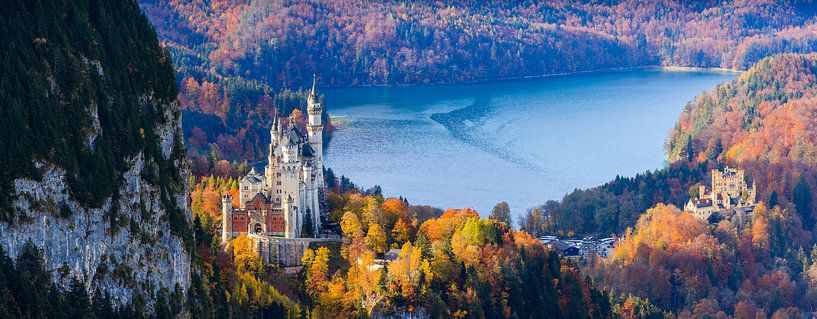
(62, 91)
(451, 264)
(754, 266)
(383, 42)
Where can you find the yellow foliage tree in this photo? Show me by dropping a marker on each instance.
(350, 225)
(401, 231)
(246, 260)
(376, 238)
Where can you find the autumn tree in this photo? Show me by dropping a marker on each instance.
(350, 225)
(316, 270)
(376, 238)
(401, 232)
(501, 213)
(246, 260)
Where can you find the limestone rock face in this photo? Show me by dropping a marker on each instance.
(140, 255)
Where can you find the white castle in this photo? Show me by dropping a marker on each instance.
(277, 202)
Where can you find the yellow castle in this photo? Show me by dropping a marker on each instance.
(729, 190)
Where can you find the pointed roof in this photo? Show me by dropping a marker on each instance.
(293, 133)
(307, 151)
(290, 142)
(701, 202)
(260, 197)
(314, 83)
(253, 177)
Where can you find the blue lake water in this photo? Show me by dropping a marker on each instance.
(520, 141)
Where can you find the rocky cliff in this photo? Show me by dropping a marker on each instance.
(93, 171)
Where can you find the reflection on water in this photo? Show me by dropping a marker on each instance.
(522, 141)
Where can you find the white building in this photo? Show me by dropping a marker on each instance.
(291, 186)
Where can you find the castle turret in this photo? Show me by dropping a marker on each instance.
(310, 200)
(291, 218)
(275, 138)
(315, 127)
(226, 219)
(275, 131)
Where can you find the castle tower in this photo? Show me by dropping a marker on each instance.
(289, 151)
(291, 218)
(226, 219)
(310, 199)
(315, 128)
(275, 134)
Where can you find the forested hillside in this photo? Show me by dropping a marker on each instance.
(763, 121)
(384, 42)
(756, 266)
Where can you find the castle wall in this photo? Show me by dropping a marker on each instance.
(286, 252)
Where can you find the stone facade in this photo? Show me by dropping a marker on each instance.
(286, 252)
(729, 190)
(277, 202)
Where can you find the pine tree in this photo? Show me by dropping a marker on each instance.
(308, 229)
(802, 202)
(689, 151)
(773, 200)
(78, 302)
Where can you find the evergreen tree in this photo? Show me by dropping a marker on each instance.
(308, 229)
(329, 177)
(690, 153)
(424, 244)
(77, 301)
(802, 202)
(773, 200)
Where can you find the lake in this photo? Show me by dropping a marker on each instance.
(522, 141)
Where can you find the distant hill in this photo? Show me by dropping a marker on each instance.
(282, 44)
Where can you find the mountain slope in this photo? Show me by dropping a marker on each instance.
(383, 42)
(767, 115)
(93, 170)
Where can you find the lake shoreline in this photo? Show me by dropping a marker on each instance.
(669, 68)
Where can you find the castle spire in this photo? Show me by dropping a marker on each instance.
(274, 118)
(314, 83)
